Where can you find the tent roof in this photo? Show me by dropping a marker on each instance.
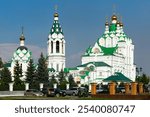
(118, 77)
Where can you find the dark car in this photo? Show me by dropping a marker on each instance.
(83, 92)
(72, 91)
(33, 92)
(52, 92)
(102, 90)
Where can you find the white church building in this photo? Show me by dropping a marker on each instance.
(112, 53)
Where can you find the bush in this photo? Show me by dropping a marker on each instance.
(19, 86)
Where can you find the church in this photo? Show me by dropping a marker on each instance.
(112, 54)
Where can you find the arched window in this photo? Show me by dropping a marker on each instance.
(57, 67)
(57, 46)
(51, 47)
(62, 47)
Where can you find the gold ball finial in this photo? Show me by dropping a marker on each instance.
(106, 24)
(114, 17)
(56, 14)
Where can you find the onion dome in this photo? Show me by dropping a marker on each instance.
(114, 17)
(22, 54)
(56, 15)
(121, 24)
(106, 24)
(22, 37)
(118, 23)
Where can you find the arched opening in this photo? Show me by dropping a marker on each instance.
(51, 47)
(57, 46)
(62, 48)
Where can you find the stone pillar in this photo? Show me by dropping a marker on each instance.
(89, 87)
(127, 88)
(140, 86)
(55, 85)
(112, 88)
(41, 86)
(11, 86)
(93, 88)
(26, 86)
(67, 86)
(79, 85)
(133, 88)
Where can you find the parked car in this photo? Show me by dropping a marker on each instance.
(83, 92)
(102, 90)
(52, 92)
(120, 90)
(33, 92)
(72, 91)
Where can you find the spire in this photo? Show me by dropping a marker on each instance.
(56, 27)
(106, 26)
(121, 24)
(114, 17)
(56, 14)
(22, 38)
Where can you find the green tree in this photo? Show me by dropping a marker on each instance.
(52, 81)
(42, 70)
(1, 63)
(71, 81)
(62, 80)
(18, 83)
(30, 74)
(5, 79)
(144, 79)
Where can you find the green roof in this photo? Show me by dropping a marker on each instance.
(109, 50)
(97, 64)
(113, 27)
(51, 69)
(117, 77)
(56, 28)
(68, 69)
(7, 64)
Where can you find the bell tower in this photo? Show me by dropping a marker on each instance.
(56, 46)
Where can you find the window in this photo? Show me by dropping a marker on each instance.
(62, 48)
(100, 73)
(57, 67)
(51, 47)
(57, 46)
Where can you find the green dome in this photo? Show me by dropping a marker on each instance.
(22, 54)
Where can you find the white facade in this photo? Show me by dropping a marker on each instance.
(56, 46)
(113, 52)
(23, 56)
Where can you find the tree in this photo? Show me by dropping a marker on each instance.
(71, 81)
(52, 81)
(5, 79)
(30, 75)
(42, 70)
(62, 80)
(18, 83)
(1, 63)
(144, 79)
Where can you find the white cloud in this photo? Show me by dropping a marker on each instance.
(7, 50)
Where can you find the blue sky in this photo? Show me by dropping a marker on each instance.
(82, 22)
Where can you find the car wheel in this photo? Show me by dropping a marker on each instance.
(74, 94)
(57, 95)
(64, 94)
